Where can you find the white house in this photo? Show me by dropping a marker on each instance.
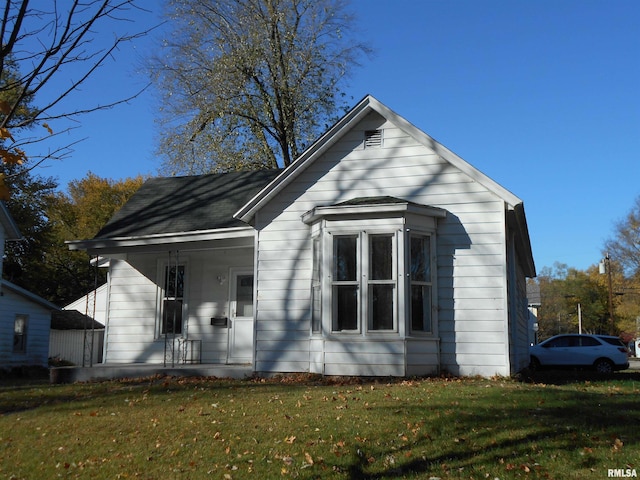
(377, 252)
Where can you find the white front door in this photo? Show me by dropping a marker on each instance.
(241, 316)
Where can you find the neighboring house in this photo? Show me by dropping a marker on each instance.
(535, 302)
(377, 252)
(76, 338)
(25, 321)
(24, 317)
(77, 332)
(93, 304)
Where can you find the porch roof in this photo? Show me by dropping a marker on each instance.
(172, 206)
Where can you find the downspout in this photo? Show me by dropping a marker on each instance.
(106, 314)
(506, 279)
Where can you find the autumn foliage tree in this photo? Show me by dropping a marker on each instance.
(562, 288)
(624, 245)
(43, 264)
(249, 84)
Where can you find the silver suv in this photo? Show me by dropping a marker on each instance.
(603, 353)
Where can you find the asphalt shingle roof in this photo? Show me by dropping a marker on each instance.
(73, 320)
(186, 204)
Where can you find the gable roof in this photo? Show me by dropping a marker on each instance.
(186, 204)
(31, 297)
(367, 105)
(370, 104)
(8, 223)
(73, 320)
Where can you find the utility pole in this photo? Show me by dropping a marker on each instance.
(605, 267)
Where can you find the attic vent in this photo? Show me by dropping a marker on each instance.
(373, 138)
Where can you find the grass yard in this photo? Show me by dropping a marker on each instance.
(556, 427)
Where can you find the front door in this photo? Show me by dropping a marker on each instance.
(241, 316)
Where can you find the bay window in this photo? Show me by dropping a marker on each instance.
(373, 268)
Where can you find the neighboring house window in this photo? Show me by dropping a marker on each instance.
(420, 283)
(20, 334)
(172, 300)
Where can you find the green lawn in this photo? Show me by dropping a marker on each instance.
(162, 428)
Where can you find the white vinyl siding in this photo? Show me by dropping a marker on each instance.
(69, 345)
(131, 334)
(470, 244)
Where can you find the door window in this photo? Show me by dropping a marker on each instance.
(244, 296)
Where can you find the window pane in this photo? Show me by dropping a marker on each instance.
(316, 308)
(317, 258)
(421, 308)
(20, 334)
(380, 257)
(19, 326)
(174, 286)
(244, 296)
(346, 314)
(381, 307)
(172, 316)
(420, 263)
(345, 258)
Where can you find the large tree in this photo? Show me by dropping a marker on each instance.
(562, 289)
(42, 263)
(250, 83)
(624, 246)
(44, 41)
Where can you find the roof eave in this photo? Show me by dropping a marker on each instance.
(98, 244)
(28, 295)
(366, 209)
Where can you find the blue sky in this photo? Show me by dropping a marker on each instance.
(542, 96)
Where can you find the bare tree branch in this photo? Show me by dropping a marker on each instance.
(250, 83)
(43, 42)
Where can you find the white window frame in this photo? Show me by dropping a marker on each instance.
(431, 283)
(23, 335)
(316, 284)
(162, 296)
(362, 282)
(364, 219)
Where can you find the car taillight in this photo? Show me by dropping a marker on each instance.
(623, 350)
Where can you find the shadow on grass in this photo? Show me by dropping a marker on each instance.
(574, 376)
(512, 431)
